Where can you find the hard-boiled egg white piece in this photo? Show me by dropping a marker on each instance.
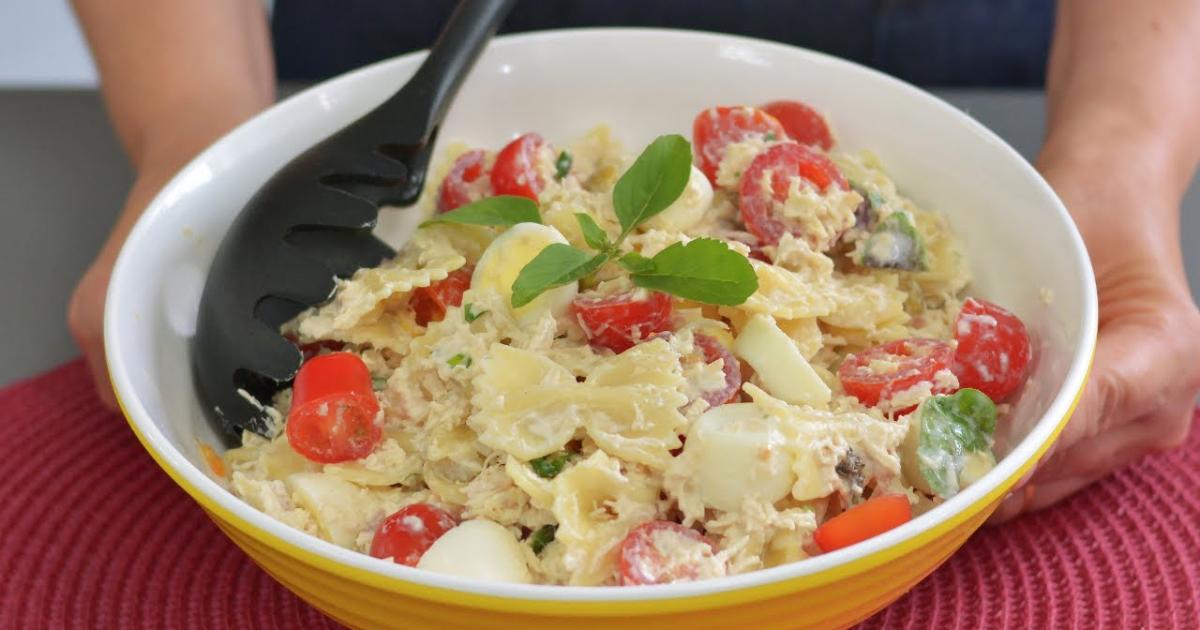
(739, 453)
(503, 260)
(688, 209)
(342, 510)
(479, 549)
(778, 363)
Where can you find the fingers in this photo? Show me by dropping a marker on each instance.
(85, 318)
(1139, 400)
(1077, 466)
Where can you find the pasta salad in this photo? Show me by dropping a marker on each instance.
(591, 368)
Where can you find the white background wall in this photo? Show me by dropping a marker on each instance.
(40, 45)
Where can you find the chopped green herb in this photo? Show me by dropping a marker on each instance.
(460, 359)
(770, 137)
(894, 243)
(562, 165)
(470, 314)
(379, 382)
(542, 537)
(548, 466)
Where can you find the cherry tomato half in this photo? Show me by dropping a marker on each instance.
(780, 164)
(332, 418)
(878, 373)
(406, 535)
(993, 349)
(465, 182)
(801, 122)
(863, 521)
(714, 350)
(516, 169)
(718, 127)
(429, 303)
(646, 554)
(617, 322)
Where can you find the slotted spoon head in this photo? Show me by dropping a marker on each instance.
(312, 223)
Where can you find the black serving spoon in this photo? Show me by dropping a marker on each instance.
(311, 223)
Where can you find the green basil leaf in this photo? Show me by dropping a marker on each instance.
(548, 466)
(460, 359)
(562, 165)
(704, 270)
(503, 211)
(952, 426)
(542, 537)
(554, 266)
(634, 262)
(654, 181)
(895, 243)
(593, 234)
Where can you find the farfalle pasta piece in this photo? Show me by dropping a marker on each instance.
(786, 294)
(359, 311)
(596, 506)
(869, 309)
(630, 404)
(525, 404)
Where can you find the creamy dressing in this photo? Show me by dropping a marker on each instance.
(755, 476)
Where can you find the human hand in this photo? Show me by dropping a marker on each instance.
(85, 312)
(1146, 374)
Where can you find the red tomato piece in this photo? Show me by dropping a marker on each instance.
(783, 163)
(617, 322)
(902, 364)
(718, 127)
(463, 184)
(863, 521)
(993, 349)
(406, 535)
(644, 561)
(516, 169)
(801, 122)
(332, 418)
(714, 350)
(429, 303)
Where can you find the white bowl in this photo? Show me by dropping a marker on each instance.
(1020, 241)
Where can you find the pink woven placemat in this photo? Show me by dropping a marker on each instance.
(96, 536)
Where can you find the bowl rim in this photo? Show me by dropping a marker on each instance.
(754, 585)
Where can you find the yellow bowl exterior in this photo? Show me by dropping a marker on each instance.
(836, 598)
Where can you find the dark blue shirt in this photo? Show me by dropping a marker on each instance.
(928, 42)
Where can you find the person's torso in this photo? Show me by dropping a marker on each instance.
(928, 42)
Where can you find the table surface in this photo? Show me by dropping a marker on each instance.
(63, 178)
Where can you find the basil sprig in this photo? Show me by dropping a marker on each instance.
(705, 269)
(502, 211)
